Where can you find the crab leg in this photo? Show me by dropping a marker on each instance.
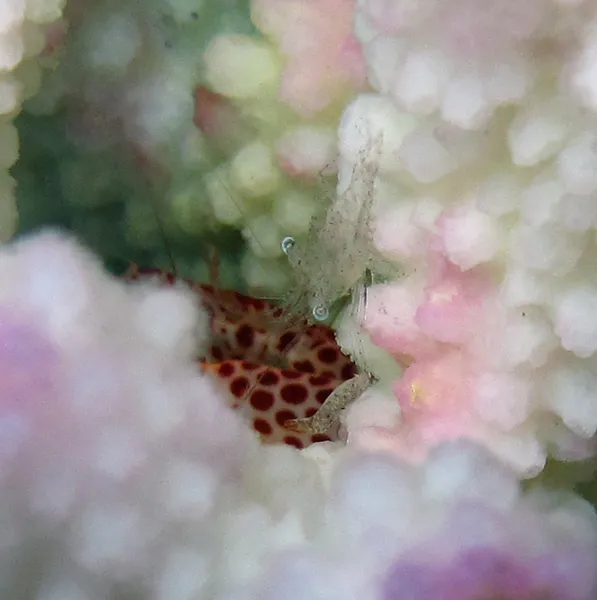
(321, 422)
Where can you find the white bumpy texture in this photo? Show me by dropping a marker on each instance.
(124, 474)
(487, 195)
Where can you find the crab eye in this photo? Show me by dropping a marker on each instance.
(320, 312)
(288, 244)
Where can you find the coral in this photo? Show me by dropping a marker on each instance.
(455, 255)
(485, 195)
(488, 572)
(108, 439)
(121, 90)
(322, 55)
(462, 60)
(457, 527)
(25, 34)
(123, 472)
(293, 111)
(134, 82)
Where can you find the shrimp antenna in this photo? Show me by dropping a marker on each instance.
(237, 205)
(167, 245)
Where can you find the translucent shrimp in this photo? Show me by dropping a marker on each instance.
(331, 261)
(337, 261)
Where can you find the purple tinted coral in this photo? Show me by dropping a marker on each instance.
(487, 573)
(494, 574)
(568, 574)
(411, 581)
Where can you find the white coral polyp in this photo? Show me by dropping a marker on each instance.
(574, 319)
(372, 122)
(466, 104)
(113, 427)
(538, 132)
(570, 392)
(504, 144)
(577, 164)
(420, 82)
(470, 237)
(464, 58)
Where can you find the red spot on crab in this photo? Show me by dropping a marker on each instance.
(226, 369)
(304, 366)
(247, 366)
(328, 355)
(349, 371)
(262, 426)
(323, 395)
(270, 377)
(320, 380)
(262, 400)
(245, 336)
(284, 415)
(239, 386)
(294, 393)
(292, 441)
(291, 374)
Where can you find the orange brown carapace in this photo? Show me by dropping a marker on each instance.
(274, 372)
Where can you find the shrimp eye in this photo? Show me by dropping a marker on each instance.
(288, 244)
(321, 312)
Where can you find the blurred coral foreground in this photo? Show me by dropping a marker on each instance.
(431, 167)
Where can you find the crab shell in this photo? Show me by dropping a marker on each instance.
(274, 371)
